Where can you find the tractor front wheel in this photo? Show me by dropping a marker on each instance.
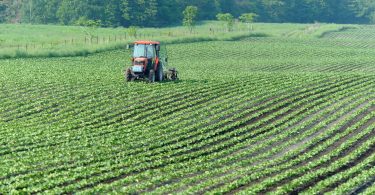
(173, 74)
(151, 76)
(128, 75)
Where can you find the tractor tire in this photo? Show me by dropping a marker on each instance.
(160, 73)
(151, 76)
(128, 75)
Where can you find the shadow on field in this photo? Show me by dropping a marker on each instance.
(177, 82)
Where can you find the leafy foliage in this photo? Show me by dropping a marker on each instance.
(365, 8)
(228, 19)
(248, 17)
(154, 13)
(190, 14)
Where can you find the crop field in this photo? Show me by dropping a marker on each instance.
(266, 115)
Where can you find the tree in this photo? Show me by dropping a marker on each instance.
(228, 19)
(248, 18)
(209, 8)
(112, 13)
(40, 11)
(12, 11)
(67, 12)
(4, 10)
(153, 13)
(341, 12)
(169, 12)
(139, 12)
(274, 10)
(70, 11)
(50, 9)
(190, 13)
(365, 9)
(89, 27)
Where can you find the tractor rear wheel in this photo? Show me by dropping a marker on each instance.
(151, 76)
(160, 73)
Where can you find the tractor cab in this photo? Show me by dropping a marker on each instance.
(148, 61)
(147, 50)
(145, 57)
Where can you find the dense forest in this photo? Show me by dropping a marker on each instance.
(169, 12)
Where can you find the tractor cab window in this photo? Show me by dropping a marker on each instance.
(147, 51)
(150, 51)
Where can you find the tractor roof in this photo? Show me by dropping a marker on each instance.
(147, 42)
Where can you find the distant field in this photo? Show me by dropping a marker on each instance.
(285, 114)
(55, 41)
(360, 37)
(363, 33)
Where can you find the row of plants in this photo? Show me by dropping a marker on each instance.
(239, 120)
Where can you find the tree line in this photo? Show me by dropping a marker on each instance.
(151, 13)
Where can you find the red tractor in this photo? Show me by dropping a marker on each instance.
(149, 62)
